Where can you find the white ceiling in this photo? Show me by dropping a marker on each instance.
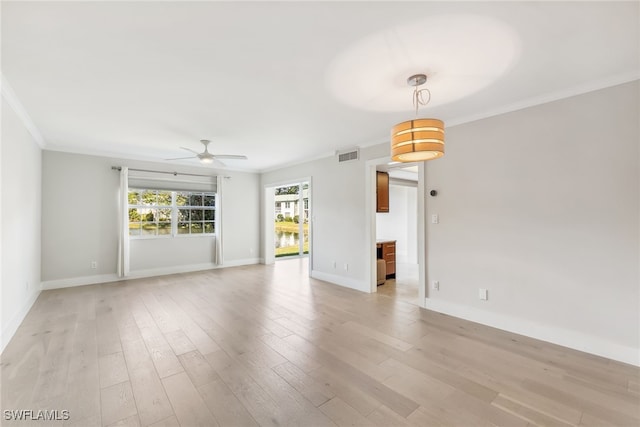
(289, 81)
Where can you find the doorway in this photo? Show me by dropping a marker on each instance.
(268, 207)
(402, 228)
(396, 233)
(291, 220)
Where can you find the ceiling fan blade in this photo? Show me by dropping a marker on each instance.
(182, 158)
(189, 149)
(230, 156)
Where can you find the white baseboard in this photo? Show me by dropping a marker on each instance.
(12, 326)
(346, 282)
(141, 274)
(137, 274)
(164, 271)
(239, 262)
(564, 337)
(79, 281)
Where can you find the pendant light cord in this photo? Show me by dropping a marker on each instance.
(420, 97)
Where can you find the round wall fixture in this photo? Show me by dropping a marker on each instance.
(460, 53)
(433, 193)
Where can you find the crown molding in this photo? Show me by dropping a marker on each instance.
(10, 96)
(121, 157)
(549, 97)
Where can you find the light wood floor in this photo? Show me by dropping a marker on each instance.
(405, 286)
(264, 345)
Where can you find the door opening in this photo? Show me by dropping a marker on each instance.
(410, 236)
(396, 234)
(291, 220)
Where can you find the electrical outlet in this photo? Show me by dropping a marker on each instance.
(435, 219)
(335, 265)
(94, 264)
(346, 267)
(483, 294)
(435, 285)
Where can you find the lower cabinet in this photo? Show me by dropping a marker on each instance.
(387, 251)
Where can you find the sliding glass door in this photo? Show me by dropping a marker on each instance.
(291, 213)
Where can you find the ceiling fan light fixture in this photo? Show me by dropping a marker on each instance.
(419, 139)
(207, 158)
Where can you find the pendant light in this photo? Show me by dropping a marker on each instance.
(419, 139)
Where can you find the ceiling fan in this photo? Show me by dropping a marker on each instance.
(206, 157)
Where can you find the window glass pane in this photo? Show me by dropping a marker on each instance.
(209, 200)
(197, 214)
(209, 227)
(182, 199)
(148, 214)
(134, 215)
(183, 228)
(196, 228)
(209, 215)
(183, 214)
(164, 198)
(196, 199)
(149, 228)
(164, 215)
(134, 229)
(164, 228)
(148, 197)
(134, 197)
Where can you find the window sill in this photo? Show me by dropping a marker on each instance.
(177, 236)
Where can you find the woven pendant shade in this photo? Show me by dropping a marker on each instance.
(417, 140)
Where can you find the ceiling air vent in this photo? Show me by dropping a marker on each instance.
(347, 156)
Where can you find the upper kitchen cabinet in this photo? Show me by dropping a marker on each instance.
(382, 192)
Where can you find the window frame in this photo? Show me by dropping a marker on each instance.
(175, 209)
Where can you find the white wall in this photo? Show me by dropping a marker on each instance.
(80, 199)
(170, 255)
(541, 207)
(21, 160)
(80, 221)
(400, 223)
(241, 218)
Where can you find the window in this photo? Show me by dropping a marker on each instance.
(171, 213)
(149, 212)
(196, 213)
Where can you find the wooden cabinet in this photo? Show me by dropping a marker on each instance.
(387, 251)
(382, 192)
